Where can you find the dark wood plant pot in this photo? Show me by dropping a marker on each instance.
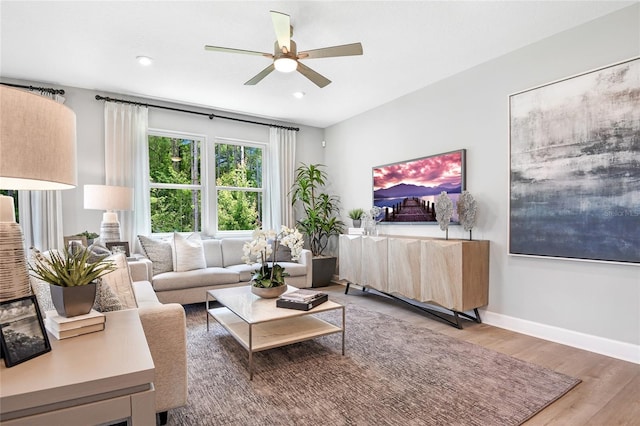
(323, 270)
(73, 301)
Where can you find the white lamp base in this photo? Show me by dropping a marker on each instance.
(109, 228)
(14, 276)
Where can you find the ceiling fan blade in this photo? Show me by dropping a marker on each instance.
(330, 52)
(245, 52)
(262, 74)
(282, 26)
(318, 79)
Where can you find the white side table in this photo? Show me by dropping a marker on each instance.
(90, 379)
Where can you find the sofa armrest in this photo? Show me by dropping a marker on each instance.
(306, 259)
(166, 331)
(141, 268)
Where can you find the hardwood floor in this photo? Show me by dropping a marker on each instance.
(608, 395)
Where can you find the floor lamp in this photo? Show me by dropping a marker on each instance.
(37, 152)
(110, 198)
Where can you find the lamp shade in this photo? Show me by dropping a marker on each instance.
(37, 142)
(108, 197)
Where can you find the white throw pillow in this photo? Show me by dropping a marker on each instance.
(120, 281)
(188, 253)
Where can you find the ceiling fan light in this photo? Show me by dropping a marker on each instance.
(286, 64)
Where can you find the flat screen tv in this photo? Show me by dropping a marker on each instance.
(406, 191)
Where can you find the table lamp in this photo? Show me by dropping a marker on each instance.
(109, 198)
(37, 152)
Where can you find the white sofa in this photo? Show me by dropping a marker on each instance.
(224, 267)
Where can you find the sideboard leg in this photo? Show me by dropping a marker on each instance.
(346, 290)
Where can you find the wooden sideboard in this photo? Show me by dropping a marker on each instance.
(453, 274)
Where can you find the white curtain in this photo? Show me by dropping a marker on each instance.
(280, 174)
(41, 212)
(127, 164)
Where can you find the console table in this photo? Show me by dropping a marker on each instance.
(95, 378)
(453, 274)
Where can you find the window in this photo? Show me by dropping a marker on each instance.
(176, 190)
(194, 187)
(238, 185)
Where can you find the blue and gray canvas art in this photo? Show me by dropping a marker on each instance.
(575, 167)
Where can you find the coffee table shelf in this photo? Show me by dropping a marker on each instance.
(273, 334)
(257, 324)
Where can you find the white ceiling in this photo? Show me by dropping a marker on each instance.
(407, 45)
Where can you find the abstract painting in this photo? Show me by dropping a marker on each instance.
(575, 167)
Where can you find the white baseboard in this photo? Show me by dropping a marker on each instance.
(613, 348)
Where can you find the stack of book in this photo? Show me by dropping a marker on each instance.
(302, 300)
(61, 327)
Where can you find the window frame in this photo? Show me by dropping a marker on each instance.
(207, 187)
(202, 139)
(213, 196)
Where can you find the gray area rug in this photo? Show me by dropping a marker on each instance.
(393, 373)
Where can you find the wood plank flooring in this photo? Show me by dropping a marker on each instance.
(608, 395)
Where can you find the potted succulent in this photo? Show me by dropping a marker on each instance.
(268, 280)
(320, 219)
(356, 216)
(91, 236)
(71, 279)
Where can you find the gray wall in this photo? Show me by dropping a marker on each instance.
(470, 110)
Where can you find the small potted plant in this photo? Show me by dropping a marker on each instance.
(71, 279)
(356, 216)
(91, 236)
(268, 280)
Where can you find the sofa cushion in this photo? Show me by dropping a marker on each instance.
(196, 278)
(212, 252)
(246, 271)
(188, 253)
(232, 251)
(159, 252)
(120, 281)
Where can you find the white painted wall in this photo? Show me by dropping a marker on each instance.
(470, 110)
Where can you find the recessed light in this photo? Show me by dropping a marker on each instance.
(144, 60)
(299, 95)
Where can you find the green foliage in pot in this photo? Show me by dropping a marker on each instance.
(69, 268)
(89, 235)
(356, 214)
(321, 210)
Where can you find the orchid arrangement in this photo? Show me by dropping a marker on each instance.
(263, 245)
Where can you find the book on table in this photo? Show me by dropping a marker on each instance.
(60, 323)
(302, 295)
(72, 332)
(283, 302)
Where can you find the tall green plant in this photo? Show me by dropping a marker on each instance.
(321, 210)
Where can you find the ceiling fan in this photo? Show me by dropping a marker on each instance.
(286, 58)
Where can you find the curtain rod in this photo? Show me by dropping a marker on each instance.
(210, 115)
(40, 89)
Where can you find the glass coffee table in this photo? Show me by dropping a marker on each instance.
(257, 324)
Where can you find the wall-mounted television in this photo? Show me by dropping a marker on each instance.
(406, 191)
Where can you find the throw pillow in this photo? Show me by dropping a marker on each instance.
(97, 253)
(159, 252)
(120, 281)
(188, 253)
(106, 300)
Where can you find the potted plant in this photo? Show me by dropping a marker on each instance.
(320, 219)
(91, 236)
(356, 216)
(71, 279)
(268, 281)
